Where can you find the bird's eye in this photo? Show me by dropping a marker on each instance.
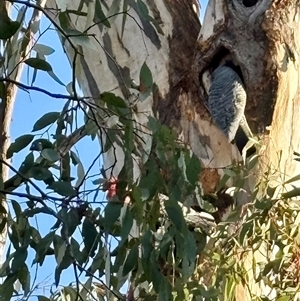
(249, 3)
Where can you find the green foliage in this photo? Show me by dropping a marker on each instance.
(8, 28)
(113, 100)
(93, 236)
(46, 120)
(42, 49)
(19, 144)
(38, 64)
(146, 82)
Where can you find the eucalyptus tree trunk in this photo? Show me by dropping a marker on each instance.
(114, 58)
(261, 37)
(6, 107)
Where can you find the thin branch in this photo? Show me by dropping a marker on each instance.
(116, 294)
(26, 87)
(74, 75)
(77, 282)
(89, 169)
(30, 196)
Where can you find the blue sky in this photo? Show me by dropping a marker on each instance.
(30, 107)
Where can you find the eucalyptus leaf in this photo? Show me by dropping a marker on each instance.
(39, 64)
(99, 15)
(40, 144)
(175, 214)
(90, 235)
(39, 173)
(193, 169)
(99, 181)
(111, 214)
(63, 188)
(17, 208)
(43, 49)
(8, 29)
(126, 223)
(165, 291)
(112, 99)
(19, 259)
(19, 144)
(42, 247)
(131, 261)
(80, 38)
(46, 120)
(72, 221)
(142, 9)
(54, 76)
(7, 287)
(50, 154)
(146, 82)
(113, 10)
(43, 298)
(147, 249)
(80, 174)
(24, 278)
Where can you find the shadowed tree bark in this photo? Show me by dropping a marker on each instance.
(261, 37)
(119, 53)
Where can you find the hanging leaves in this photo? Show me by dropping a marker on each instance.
(90, 237)
(99, 15)
(19, 144)
(38, 63)
(131, 261)
(50, 154)
(43, 49)
(146, 82)
(113, 100)
(46, 120)
(7, 27)
(111, 214)
(63, 188)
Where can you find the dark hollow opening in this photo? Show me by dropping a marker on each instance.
(249, 3)
(223, 55)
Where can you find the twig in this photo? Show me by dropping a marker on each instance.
(29, 196)
(116, 294)
(54, 95)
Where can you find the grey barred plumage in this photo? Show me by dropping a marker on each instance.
(227, 101)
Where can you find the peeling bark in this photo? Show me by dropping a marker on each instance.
(264, 41)
(170, 57)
